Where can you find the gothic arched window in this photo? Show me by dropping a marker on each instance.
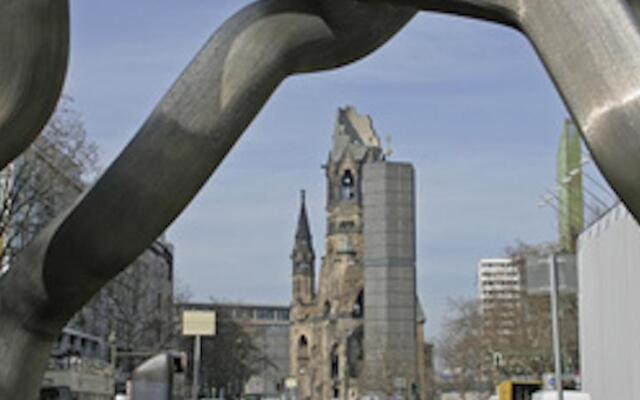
(357, 311)
(303, 347)
(355, 352)
(347, 186)
(303, 354)
(335, 362)
(327, 308)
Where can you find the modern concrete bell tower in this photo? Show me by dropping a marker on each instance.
(390, 344)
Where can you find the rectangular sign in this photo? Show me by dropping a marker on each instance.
(291, 383)
(198, 323)
(537, 274)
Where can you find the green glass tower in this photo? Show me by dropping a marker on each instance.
(569, 184)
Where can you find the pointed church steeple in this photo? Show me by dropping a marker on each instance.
(303, 243)
(303, 257)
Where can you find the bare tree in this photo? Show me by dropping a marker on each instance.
(39, 185)
(135, 311)
(481, 346)
(520, 249)
(535, 344)
(463, 349)
(230, 358)
(45, 179)
(497, 339)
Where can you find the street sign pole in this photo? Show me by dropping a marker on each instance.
(196, 366)
(197, 323)
(553, 280)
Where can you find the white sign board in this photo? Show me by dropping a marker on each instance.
(198, 323)
(291, 383)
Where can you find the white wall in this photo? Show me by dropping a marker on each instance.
(609, 278)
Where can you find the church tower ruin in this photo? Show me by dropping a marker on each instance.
(303, 259)
(327, 332)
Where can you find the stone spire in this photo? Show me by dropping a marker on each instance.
(303, 233)
(303, 259)
(303, 246)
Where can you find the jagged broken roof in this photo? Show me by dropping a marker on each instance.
(354, 133)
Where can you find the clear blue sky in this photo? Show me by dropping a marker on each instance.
(468, 103)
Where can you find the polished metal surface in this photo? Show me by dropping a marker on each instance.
(591, 48)
(163, 167)
(34, 46)
(153, 378)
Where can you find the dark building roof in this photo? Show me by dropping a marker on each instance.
(303, 241)
(303, 231)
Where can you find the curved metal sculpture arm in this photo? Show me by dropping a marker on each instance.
(591, 50)
(501, 11)
(34, 46)
(162, 168)
(193, 128)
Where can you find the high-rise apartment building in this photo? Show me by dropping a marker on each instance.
(500, 294)
(499, 279)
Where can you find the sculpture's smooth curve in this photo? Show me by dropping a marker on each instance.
(590, 48)
(34, 47)
(170, 158)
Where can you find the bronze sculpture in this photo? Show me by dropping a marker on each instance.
(591, 50)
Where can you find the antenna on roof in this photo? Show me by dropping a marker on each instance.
(388, 151)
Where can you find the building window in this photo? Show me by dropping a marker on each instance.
(283, 315)
(355, 352)
(266, 314)
(303, 354)
(335, 363)
(346, 226)
(244, 313)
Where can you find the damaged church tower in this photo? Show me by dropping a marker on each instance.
(361, 330)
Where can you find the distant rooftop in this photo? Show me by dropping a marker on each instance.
(247, 313)
(225, 304)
